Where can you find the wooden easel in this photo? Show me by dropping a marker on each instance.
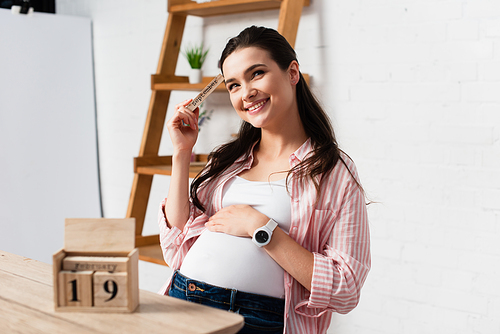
(149, 163)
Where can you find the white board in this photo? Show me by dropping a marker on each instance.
(48, 146)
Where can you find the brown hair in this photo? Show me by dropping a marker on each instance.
(315, 121)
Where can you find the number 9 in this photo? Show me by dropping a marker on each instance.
(113, 291)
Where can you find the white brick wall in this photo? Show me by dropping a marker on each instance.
(413, 88)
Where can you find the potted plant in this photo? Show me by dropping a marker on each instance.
(196, 57)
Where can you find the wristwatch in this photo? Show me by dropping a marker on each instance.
(262, 235)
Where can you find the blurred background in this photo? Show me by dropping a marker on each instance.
(412, 87)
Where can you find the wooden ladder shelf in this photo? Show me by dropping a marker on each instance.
(149, 163)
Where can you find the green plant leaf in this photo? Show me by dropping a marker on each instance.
(195, 56)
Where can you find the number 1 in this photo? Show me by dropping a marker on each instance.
(75, 292)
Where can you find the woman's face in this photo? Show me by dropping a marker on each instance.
(260, 92)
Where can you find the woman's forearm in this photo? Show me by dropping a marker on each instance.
(292, 257)
(177, 205)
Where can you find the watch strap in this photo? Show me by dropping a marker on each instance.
(271, 225)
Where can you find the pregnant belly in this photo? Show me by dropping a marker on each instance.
(233, 262)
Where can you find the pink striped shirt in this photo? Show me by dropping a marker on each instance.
(333, 226)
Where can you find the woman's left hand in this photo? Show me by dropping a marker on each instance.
(238, 220)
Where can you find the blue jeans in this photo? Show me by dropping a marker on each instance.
(262, 314)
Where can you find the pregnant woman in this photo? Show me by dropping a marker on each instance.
(275, 227)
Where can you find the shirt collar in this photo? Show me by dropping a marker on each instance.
(247, 157)
(303, 150)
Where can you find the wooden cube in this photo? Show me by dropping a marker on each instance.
(75, 288)
(104, 247)
(95, 263)
(110, 289)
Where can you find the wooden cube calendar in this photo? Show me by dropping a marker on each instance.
(110, 289)
(97, 270)
(75, 288)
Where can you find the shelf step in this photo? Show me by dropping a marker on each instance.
(149, 248)
(224, 7)
(162, 165)
(161, 82)
(167, 170)
(151, 253)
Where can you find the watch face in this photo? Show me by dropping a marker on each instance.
(261, 237)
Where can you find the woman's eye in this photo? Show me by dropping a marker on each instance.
(231, 86)
(256, 73)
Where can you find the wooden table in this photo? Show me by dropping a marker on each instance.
(27, 306)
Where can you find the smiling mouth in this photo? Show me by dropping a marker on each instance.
(256, 106)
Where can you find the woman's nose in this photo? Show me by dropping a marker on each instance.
(250, 93)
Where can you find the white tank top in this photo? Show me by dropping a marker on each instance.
(236, 262)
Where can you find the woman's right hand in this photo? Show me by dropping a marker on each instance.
(183, 130)
(183, 127)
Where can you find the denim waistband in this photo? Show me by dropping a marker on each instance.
(233, 299)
